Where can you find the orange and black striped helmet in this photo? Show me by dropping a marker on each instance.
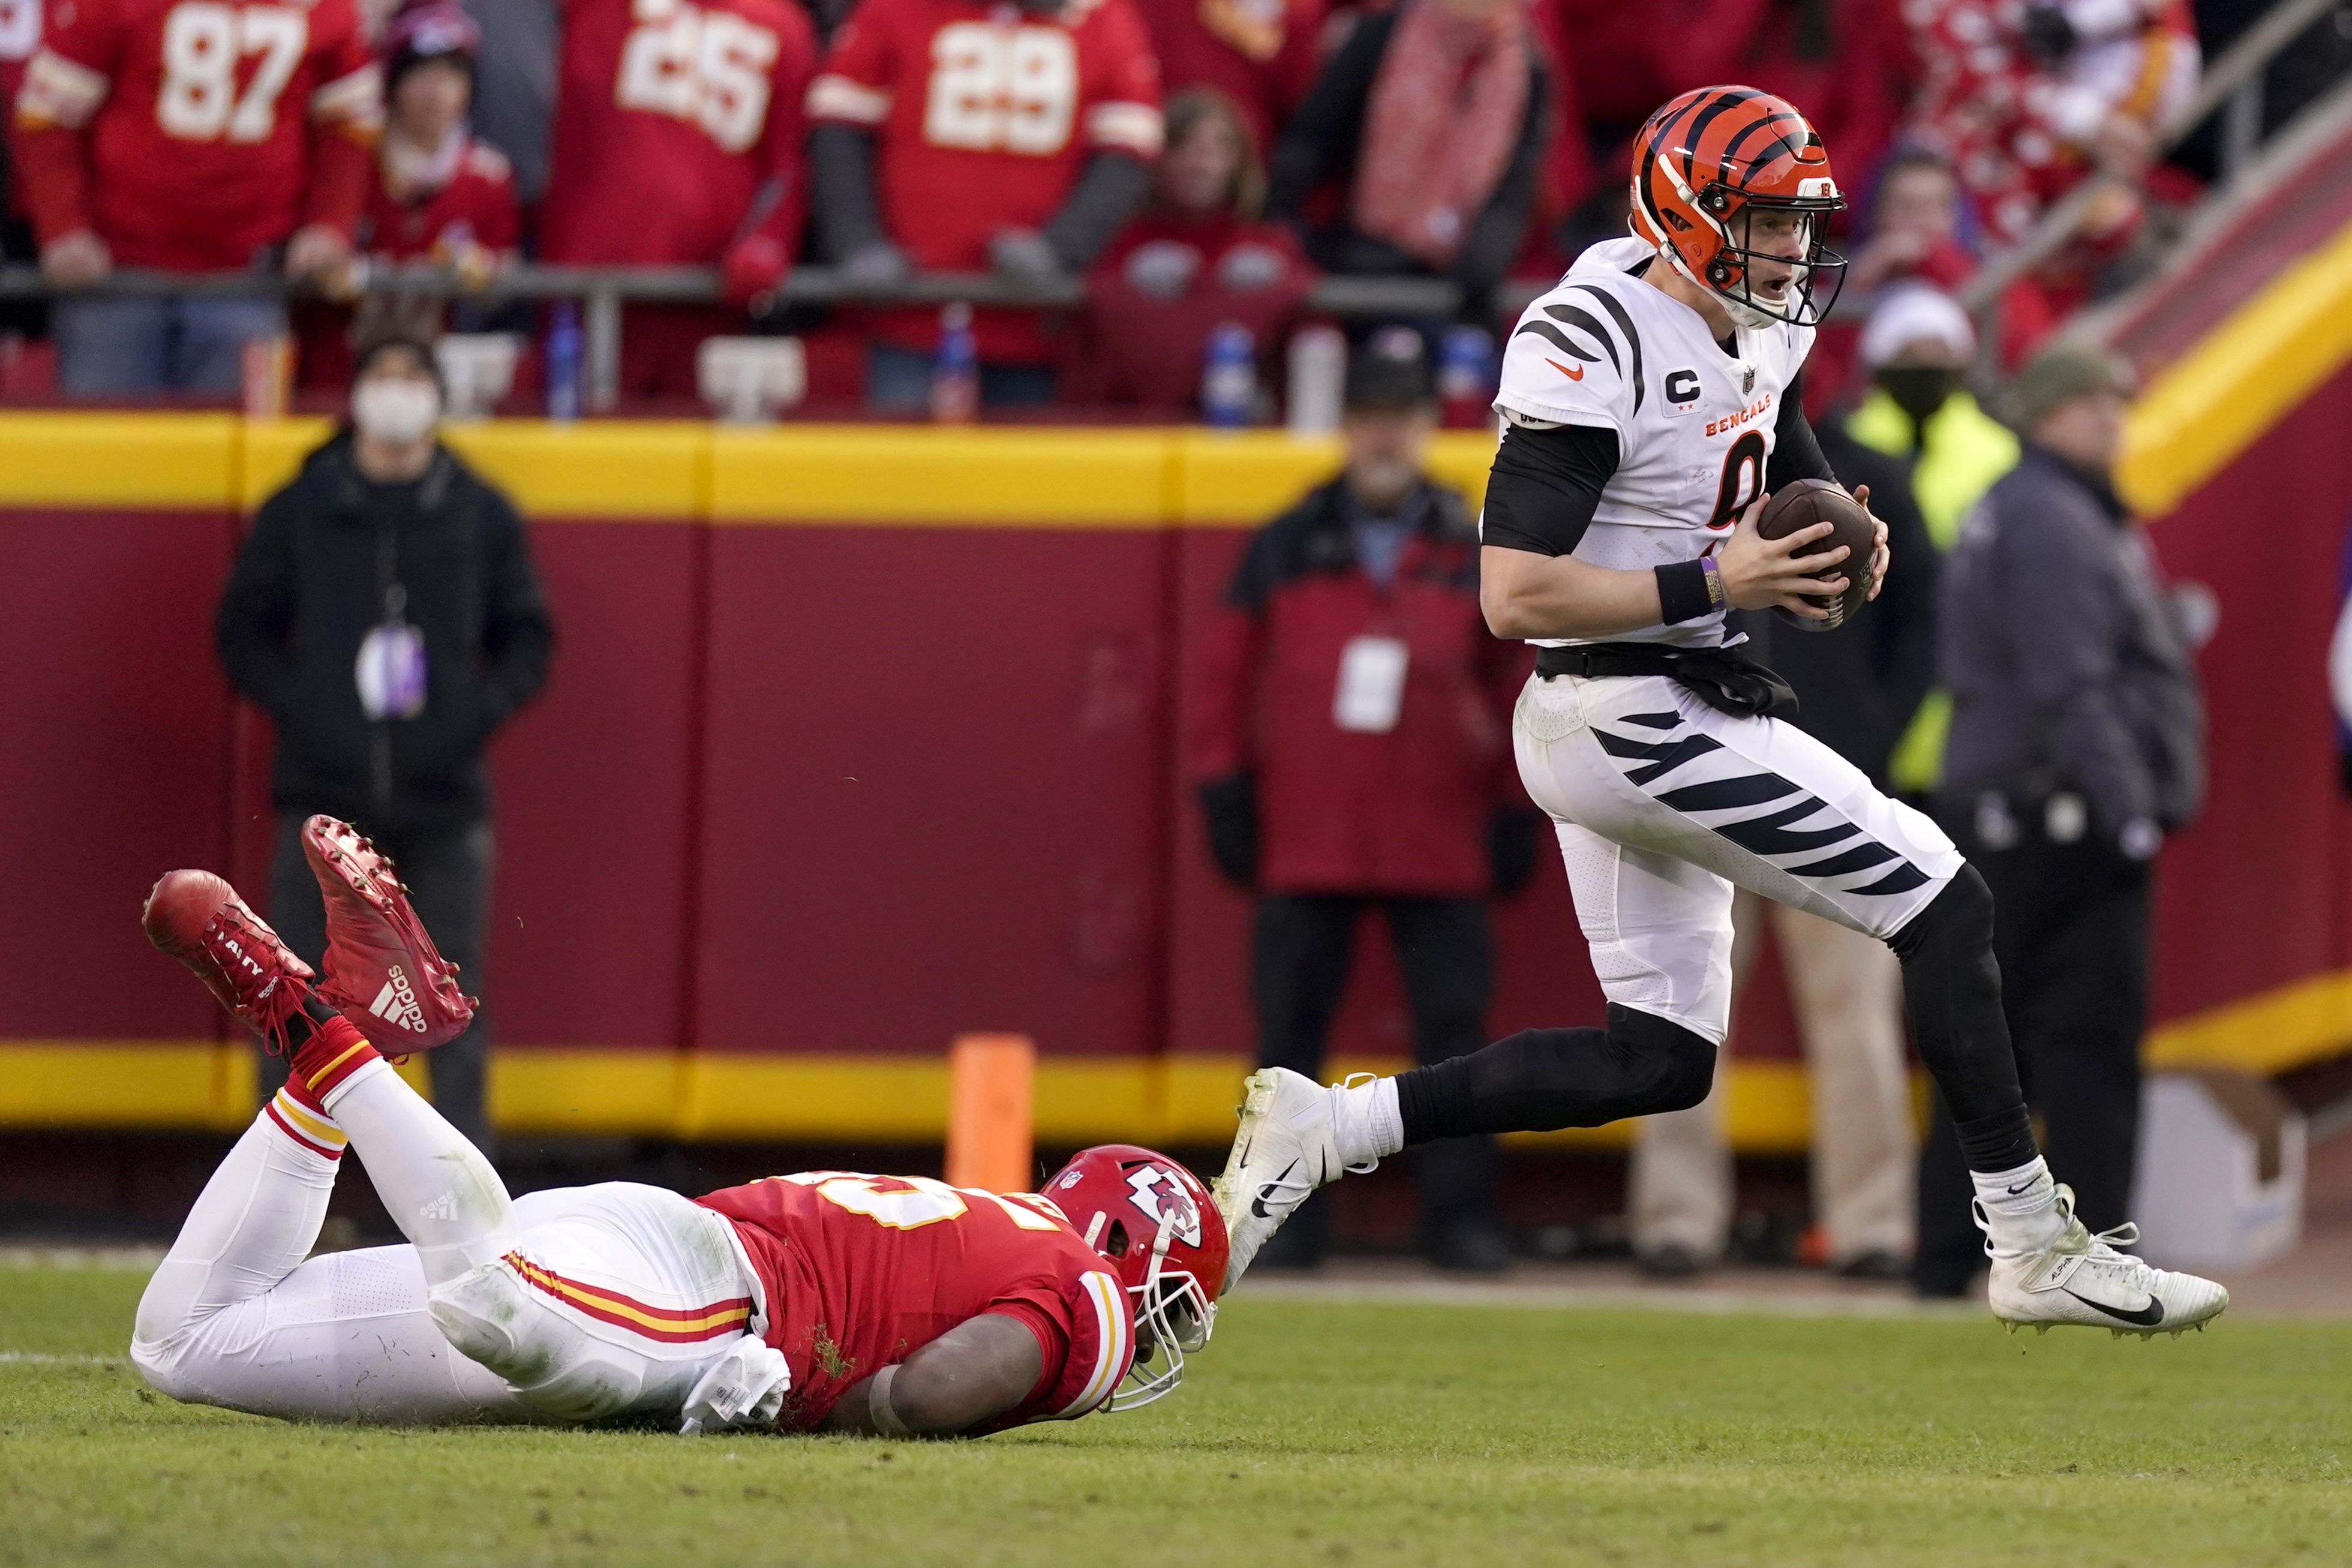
(1706, 168)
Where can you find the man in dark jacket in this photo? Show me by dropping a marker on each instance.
(2077, 743)
(385, 614)
(1350, 740)
(1855, 688)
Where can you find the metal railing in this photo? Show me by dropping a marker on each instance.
(603, 290)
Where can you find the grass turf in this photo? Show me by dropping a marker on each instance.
(1310, 1434)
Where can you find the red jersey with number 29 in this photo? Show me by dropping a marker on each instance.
(860, 1272)
(200, 116)
(984, 114)
(677, 130)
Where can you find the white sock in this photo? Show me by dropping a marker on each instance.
(439, 1189)
(2021, 1206)
(1365, 1122)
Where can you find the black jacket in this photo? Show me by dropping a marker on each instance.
(1321, 142)
(1857, 686)
(2065, 668)
(311, 584)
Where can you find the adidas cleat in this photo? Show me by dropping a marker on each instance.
(384, 973)
(1287, 1147)
(198, 918)
(2084, 1280)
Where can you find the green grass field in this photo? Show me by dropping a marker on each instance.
(1309, 1433)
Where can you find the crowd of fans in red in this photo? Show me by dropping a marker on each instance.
(1200, 162)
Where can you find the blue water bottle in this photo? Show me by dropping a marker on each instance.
(955, 369)
(562, 366)
(1229, 377)
(1465, 374)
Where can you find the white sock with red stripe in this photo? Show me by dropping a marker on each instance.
(439, 1189)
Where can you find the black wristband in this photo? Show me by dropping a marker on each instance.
(1684, 593)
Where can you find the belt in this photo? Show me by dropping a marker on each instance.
(1719, 677)
(1608, 660)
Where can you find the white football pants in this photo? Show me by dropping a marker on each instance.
(1662, 804)
(574, 1304)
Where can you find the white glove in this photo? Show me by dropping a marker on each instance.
(745, 1387)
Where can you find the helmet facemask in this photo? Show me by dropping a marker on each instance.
(1173, 1315)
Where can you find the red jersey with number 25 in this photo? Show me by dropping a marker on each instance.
(862, 1271)
(677, 130)
(200, 116)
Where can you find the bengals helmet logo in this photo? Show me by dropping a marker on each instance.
(1160, 1194)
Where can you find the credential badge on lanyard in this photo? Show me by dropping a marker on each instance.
(390, 669)
(1371, 685)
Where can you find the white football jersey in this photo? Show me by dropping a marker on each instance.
(1694, 423)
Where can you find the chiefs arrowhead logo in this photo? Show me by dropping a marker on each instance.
(1161, 1196)
(1575, 374)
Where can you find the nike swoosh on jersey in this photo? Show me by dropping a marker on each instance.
(1576, 375)
(2147, 1316)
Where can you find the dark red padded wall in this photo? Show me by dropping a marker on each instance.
(932, 798)
(114, 763)
(591, 910)
(2256, 895)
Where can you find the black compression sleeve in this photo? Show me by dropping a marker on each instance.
(1796, 453)
(1544, 487)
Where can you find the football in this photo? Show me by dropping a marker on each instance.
(1808, 501)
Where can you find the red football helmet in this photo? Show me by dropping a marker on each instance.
(1152, 1219)
(1712, 163)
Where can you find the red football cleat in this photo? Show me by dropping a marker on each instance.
(382, 971)
(198, 918)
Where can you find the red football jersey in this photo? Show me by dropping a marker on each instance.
(203, 121)
(673, 121)
(861, 1271)
(476, 201)
(984, 115)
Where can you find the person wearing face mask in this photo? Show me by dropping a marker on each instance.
(1348, 741)
(1917, 347)
(2077, 744)
(385, 614)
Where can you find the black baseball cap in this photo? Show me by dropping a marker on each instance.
(1390, 369)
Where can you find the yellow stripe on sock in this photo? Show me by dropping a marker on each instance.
(325, 1072)
(294, 1110)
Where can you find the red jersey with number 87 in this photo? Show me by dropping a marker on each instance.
(674, 120)
(984, 114)
(200, 116)
(860, 1272)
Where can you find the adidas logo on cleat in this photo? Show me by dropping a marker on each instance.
(396, 1003)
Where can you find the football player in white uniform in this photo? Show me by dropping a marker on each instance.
(1652, 404)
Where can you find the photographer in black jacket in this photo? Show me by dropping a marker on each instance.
(385, 614)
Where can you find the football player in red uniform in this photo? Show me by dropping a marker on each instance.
(960, 135)
(191, 136)
(828, 1300)
(677, 143)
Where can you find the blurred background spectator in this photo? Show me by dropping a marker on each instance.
(1855, 691)
(955, 137)
(385, 614)
(440, 194)
(142, 144)
(1428, 125)
(1196, 259)
(1351, 748)
(1261, 54)
(1915, 347)
(677, 141)
(514, 85)
(2077, 743)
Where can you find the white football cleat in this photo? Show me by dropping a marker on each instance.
(2082, 1279)
(1287, 1146)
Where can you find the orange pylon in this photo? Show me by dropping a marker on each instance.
(991, 1090)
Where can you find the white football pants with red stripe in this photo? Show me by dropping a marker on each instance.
(575, 1304)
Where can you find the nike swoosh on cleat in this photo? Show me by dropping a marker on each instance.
(2147, 1316)
(1257, 1203)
